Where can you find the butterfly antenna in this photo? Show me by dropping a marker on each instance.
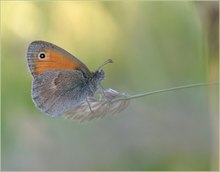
(106, 62)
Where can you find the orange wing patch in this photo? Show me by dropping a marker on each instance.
(54, 61)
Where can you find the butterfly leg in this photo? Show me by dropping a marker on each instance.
(103, 91)
(89, 105)
(104, 95)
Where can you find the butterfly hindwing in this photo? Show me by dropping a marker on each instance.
(58, 91)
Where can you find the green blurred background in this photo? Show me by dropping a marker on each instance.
(153, 45)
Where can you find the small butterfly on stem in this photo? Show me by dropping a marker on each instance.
(62, 84)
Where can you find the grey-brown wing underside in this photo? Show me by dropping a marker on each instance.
(55, 92)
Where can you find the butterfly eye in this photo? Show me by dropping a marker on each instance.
(42, 55)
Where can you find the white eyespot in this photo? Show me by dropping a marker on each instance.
(42, 55)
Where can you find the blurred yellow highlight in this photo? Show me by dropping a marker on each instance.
(17, 20)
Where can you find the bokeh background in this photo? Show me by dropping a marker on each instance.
(154, 45)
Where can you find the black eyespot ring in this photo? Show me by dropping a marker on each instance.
(42, 55)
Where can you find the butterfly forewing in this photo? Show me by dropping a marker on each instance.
(43, 56)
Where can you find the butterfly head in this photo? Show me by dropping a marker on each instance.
(98, 75)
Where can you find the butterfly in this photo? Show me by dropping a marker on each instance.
(60, 80)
